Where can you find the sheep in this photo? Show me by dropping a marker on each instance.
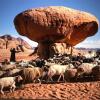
(40, 62)
(23, 63)
(32, 74)
(85, 69)
(36, 63)
(32, 62)
(13, 72)
(98, 53)
(96, 72)
(59, 59)
(28, 66)
(97, 60)
(70, 74)
(40, 73)
(9, 82)
(49, 64)
(5, 62)
(8, 67)
(90, 54)
(51, 60)
(74, 58)
(76, 63)
(57, 69)
(27, 74)
(66, 58)
(88, 60)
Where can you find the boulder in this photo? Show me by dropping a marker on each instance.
(59, 48)
(56, 24)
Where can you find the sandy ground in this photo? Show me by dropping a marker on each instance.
(67, 91)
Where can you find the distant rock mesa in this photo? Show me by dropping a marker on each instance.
(8, 42)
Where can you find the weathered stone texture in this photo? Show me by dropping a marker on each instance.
(56, 24)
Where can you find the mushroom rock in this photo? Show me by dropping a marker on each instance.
(55, 25)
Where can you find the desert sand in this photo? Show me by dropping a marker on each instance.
(67, 91)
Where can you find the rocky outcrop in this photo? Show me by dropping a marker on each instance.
(59, 48)
(8, 42)
(52, 49)
(56, 24)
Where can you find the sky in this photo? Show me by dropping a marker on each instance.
(10, 8)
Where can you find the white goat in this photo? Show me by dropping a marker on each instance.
(9, 82)
(58, 70)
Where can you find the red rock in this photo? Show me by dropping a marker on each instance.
(13, 43)
(56, 24)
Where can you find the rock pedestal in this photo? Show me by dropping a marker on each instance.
(55, 25)
(43, 50)
(46, 50)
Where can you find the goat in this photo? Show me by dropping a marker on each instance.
(9, 82)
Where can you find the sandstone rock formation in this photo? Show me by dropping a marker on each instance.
(54, 48)
(55, 24)
(8, 42)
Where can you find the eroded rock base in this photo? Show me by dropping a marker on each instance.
(47, 50)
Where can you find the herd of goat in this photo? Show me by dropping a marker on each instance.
(58, 68)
